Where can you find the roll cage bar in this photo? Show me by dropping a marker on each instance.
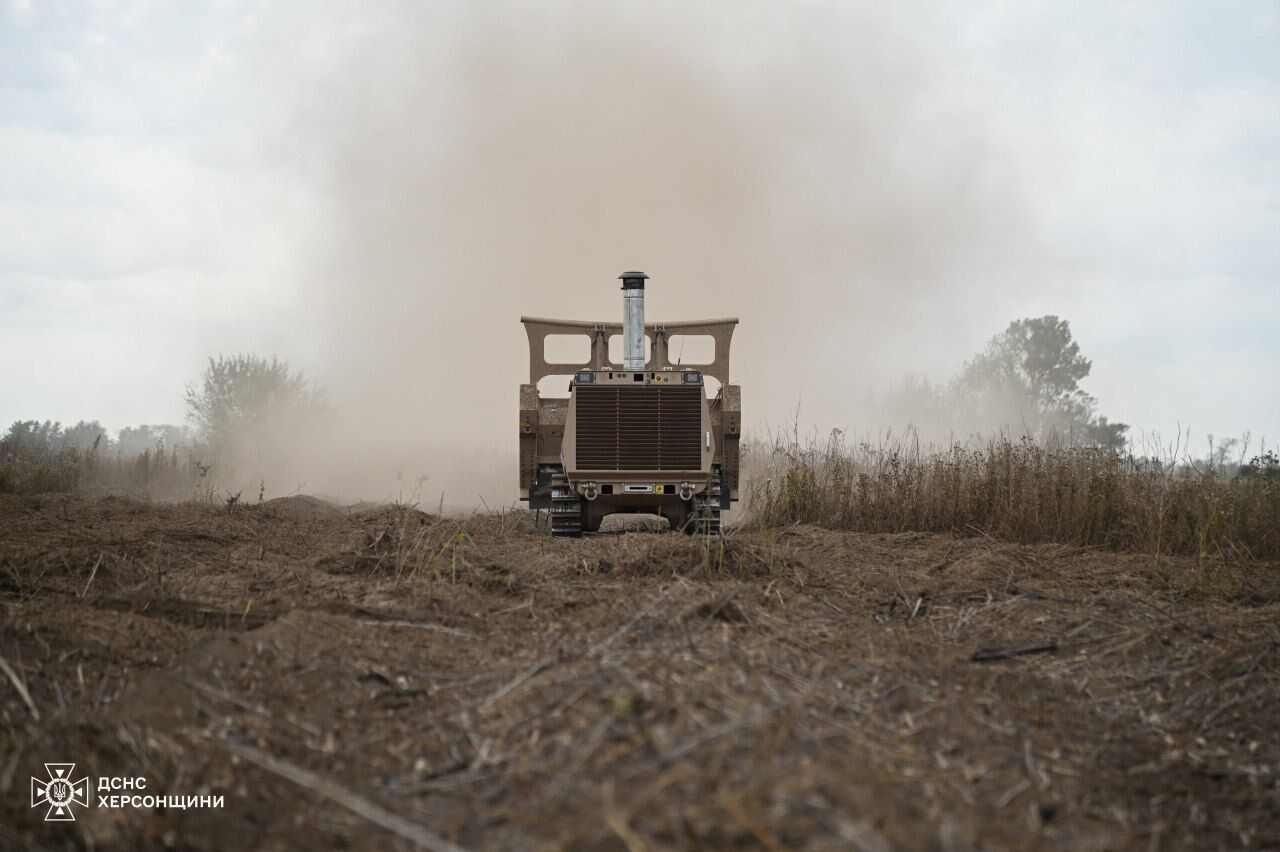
(537, 329)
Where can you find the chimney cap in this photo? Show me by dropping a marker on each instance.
(632, 280)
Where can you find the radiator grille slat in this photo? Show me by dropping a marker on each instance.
(638, 428)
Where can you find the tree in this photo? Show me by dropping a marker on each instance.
(31, 436)
(1103, 433)
(85, 436)
(1029, 378)
(135, 440)
(241, 400)
(1265, 466)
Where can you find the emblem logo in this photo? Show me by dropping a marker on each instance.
(59, 792)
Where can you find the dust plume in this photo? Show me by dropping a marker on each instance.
(808, 169)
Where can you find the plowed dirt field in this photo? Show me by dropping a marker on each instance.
(381, 677)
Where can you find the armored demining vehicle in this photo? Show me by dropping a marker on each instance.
(642, 436)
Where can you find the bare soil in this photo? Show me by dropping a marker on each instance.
(386, 678)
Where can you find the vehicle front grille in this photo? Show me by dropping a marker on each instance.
(652, 427)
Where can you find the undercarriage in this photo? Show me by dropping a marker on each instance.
(573, 514)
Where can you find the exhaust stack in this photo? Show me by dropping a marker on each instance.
(633, 357)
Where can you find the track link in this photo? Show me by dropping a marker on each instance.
(566, 508)
(706, 509)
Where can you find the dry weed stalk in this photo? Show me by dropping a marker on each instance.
(1018, 491)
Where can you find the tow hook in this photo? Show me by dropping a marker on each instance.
(591, 491)
(686, 490)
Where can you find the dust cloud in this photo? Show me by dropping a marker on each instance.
(810, 169)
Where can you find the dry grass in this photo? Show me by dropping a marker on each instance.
(157, 474)
(1018, 492)
(408, 545)
(351, 677)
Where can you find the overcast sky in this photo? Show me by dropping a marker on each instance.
(174, 177)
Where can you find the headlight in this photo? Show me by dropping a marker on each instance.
(585, 378)
(693, 378)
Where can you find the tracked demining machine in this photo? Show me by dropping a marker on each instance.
(641, 436)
